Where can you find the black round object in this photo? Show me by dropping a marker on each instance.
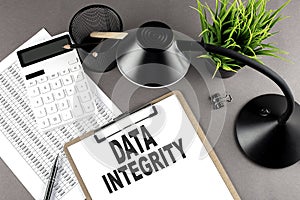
(155, 36)
(92, 18)
(98, 18)
(262, 138)
(150, 57)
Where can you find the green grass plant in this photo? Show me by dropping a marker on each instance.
(239, 25)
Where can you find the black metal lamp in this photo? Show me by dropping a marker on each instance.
(268, 126)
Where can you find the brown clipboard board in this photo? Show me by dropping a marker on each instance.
(197, 128)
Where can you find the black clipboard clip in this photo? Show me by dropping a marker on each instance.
(122, 116)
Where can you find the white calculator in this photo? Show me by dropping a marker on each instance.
(56, 84)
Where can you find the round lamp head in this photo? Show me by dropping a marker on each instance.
(149, 56)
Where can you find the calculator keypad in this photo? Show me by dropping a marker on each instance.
(33, 92)
(60, 98)
(56, 84)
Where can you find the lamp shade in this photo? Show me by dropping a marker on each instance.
(149, 56)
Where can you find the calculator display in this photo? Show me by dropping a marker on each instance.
(43, 51)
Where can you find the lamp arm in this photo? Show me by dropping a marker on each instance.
(262, 69)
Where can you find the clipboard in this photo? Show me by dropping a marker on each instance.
(152, 104)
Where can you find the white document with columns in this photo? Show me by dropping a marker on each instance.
(30, 153)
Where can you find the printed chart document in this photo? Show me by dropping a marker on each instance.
(151, 154)
(30, 153)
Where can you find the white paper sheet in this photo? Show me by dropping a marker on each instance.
(23, 148)
(189, 178)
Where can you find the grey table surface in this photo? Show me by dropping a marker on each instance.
(21, 19)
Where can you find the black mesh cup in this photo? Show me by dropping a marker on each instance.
(98, 18)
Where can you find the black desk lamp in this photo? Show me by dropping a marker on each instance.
(268, 134)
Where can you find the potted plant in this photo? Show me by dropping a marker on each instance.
(240, 26)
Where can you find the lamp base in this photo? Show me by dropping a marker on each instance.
(262, 138)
